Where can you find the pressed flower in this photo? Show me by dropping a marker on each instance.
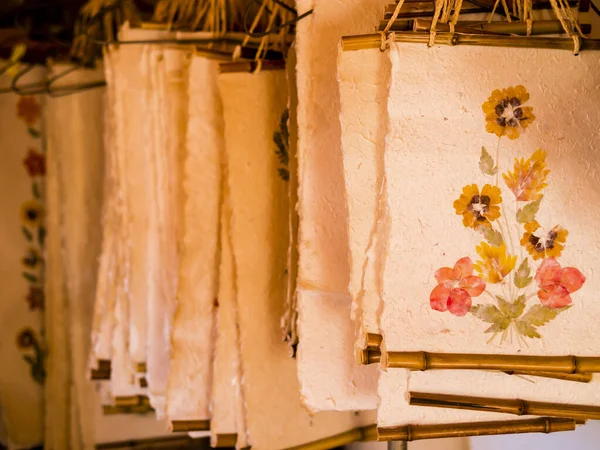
(478, 208)
(495, 262)
(528, 178)
(32, 213)
(29, 110)
(505, 113)
(455, 288)
(35, 298)
(25, 338)
(543, 244)
(35, 163)
(32, 258)
(556, 283)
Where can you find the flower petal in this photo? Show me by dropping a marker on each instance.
(463, 268)
(438, 299)
(549, 273)
(444, 274)
(459, 302)
(571, 279)
(555, 298)
(474, 286)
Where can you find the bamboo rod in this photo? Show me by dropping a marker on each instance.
(141, 367)
(250, 66)
(418, 432)
(493, 28)
(506, 406)
(372, 340)
(132, 400)
(99, 375)
(578, 377)
(467, 7)
(339, 440)
(103, 364)
(186, 426)
(226, 440)
(554, 364)
(368, 356)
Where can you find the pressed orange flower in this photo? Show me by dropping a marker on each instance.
(528, 177)
(505, 114)
(541, 244)
(495, 262)
(32, 213)
(29, 110)
(478, 209)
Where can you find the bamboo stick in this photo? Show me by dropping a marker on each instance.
(538, 27)
(418, 432)
(186, 426)
(506, 406)
(140, 367)
(99, 375)
(226, 440)
(372, 340)
(339, 440)
(374, 41)
(250, 66)
(132, 400)
(467, 7)
(368, 356)
(554, 364)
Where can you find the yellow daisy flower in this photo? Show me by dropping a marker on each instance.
(32, 213)
(505, 114)
(495, 263)
(478, 209)
(542, 244)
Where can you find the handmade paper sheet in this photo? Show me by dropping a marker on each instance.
(193, 338)
(323, 272)
(490, 194)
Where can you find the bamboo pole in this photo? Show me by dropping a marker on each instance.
(418, 432)
(506, 406)
(374, 41)
(578, 377)
(553, 364)
(357, 434)
(226, 440)
(493, 28)
(187, 426)
(372, 340)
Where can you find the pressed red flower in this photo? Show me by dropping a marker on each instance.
(456, 286)
(556, 283)
(35, 163)
(35, 298)
(29, 110)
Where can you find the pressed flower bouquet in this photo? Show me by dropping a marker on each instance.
(516, 284)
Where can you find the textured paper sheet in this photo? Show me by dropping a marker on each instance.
(193, 338)
(364, 78)
(323, 237)
(228, 416)
(76, 151)
(168, 115)
(428, 235)
(275, 416)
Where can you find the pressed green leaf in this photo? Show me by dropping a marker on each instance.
(487, 313)
(511, 310)
(527, 213)
(27, 233)
(41, 236)
(527, 329)
(30, 360)
(35, 189)
(486, 163)
(501, 325)
(33, 132)
(493, 237)
(29, 277)
(518, 306)
(503, 305)
(539, 315)
(522, 278)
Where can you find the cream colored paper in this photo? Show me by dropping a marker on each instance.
(275, 416)
(425, 236)
(193, 338)
(167, 114)
(364, 78)
(323, 238)
(75, 159)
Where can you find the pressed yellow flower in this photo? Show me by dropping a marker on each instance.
(478, 208)
(32, 213)
(528, 178)
(505, 114)
(495, 263)
(541, 244)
